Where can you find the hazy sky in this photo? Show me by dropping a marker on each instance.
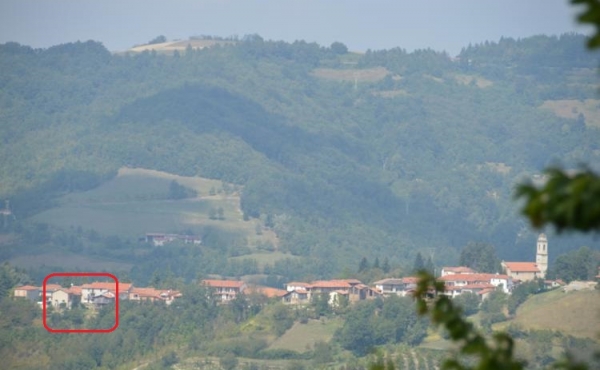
(361, 24)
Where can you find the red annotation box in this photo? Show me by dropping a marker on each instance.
(79, 274)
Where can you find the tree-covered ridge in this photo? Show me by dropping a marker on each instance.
(347, 167)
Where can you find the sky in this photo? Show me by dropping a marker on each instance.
(443, 25)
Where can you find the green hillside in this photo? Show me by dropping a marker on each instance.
(574, 313)
(345, 155)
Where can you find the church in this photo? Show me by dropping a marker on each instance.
(526, 271)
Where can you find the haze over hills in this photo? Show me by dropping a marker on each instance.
(347, 155)
(289, 162)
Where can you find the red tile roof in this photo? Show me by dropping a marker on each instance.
(53, 287)
(331, 284)
(223, 283)
(75, 290)
(27, 287)
(522, 266)
(107, 286)
(146, 292)
(268, 291)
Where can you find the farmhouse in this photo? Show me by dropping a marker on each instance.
(225, 290)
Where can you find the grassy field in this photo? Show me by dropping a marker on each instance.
(590, 108)
(136, 202)
(470, 79)
(302, 337)
(180, 45)
(574, 313)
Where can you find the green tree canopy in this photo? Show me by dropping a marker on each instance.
(480, 257)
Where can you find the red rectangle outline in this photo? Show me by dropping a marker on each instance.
(83, 274)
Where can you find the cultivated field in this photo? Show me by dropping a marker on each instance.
(179, 45)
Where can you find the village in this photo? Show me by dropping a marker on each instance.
(95, 295)
(458, 280)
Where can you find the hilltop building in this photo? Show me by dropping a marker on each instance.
(527, 271)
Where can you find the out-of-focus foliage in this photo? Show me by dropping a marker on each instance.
(566, 201)
(498, 354)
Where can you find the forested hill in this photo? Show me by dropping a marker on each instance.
(380, 154)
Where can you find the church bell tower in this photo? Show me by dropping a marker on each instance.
(541, 257)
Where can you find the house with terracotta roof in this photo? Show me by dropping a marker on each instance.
(224, 290)
(522, 271)
(28, 292)
(328, 286)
